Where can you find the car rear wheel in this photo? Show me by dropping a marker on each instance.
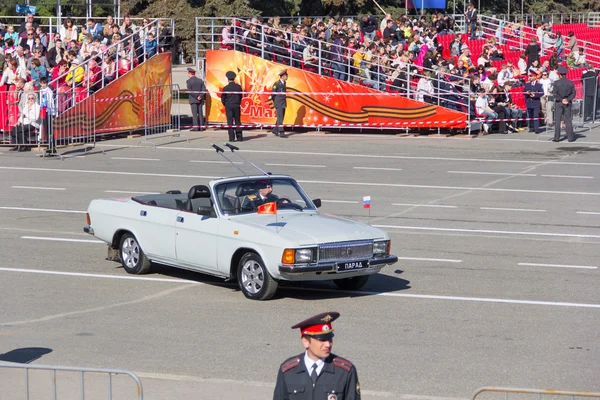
(255, 281)
(353, 283)
(132, 257)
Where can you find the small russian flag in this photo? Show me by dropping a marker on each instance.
(367, 202)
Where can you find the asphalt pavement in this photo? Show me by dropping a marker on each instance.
(497, 281)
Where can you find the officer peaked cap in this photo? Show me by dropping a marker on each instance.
(563, 70)
(319, 326)
(230, 75)
(284, 72)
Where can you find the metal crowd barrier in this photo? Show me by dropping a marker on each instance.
(505, 391)
(159, 119)
(58, 389)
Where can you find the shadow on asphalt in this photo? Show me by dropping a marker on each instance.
(25, 355)
(316, 290)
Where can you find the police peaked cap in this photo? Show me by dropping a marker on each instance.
(319, 326)
(230, 75)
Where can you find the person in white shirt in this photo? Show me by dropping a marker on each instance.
(547, 102)
(483, 107)
(383, 23)
(504, 76)
(425, 88)
(27, 123)
(522, 64)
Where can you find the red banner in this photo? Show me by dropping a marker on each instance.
(313, 99)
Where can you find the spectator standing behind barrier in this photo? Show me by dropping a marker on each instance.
(564, 93)
(547, 101)
(471, 16)
(533, 91)
(280, 102)
(231, 97)
(197, 96)
(28, 122)
(317, 373)
(368, 26)
(589, 82)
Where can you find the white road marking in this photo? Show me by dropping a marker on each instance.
(512, 209)
(422, 228)
(386, 294)
(42, 209)
(129, 191)
(135, 159)
(297, 165)
(379, 169)
(557, 266)
(215, 162)
(424, 205)
(489, 173)
(37, 188)
(101, 172)
(569, 176)
(380, 156)
(430, 259)
(588, 212)
(53, 239)
(379, 184)
(340, 201)
(79, 156)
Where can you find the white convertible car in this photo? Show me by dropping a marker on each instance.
(257, 229)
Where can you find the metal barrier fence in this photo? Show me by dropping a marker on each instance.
(505, 391)
(159, 118)
(57, 388)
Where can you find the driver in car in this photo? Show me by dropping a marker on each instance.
(264, 195)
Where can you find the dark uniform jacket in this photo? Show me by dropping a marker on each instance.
(589, 80)
(563, 89)
(537, 90)
(278, 94)
(252, 201)
(338, 380)
(197, 89)
(231, 99)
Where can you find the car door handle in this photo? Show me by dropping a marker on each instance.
(143, 213)
(180, 219)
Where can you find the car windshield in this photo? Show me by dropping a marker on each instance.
(244, 196)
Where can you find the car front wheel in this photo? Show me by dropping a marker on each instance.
(255, 281)
(132, 257)
(353, 283)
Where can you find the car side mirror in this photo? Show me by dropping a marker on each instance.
(317, 202)
(206, 211)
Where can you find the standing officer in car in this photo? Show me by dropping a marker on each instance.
(231, 97)
(564, 93)
(317, 374)
(280, 102)
(197, 96)
(264, 195)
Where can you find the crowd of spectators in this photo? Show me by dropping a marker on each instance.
(424, 57)
(59, 69)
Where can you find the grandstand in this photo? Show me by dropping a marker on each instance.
(396, 60)
(70, 71)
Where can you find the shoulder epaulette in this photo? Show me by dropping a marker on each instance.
(289, 364)
(342, 363)
(251, 196)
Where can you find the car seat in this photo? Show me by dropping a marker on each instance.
(242, 192)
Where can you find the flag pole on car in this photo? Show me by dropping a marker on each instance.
(367, 204)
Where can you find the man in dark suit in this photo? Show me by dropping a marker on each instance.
(231, 97)
(197, 96)
(264, 194)
(564, 93)
(280, 102)
(533, 92)
(317, 373)
(589, 82)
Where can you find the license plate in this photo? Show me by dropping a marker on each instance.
(352, 265)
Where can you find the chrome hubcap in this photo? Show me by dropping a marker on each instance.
(253, 277)
(130, 252)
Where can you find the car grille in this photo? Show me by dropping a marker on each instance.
(346, 251)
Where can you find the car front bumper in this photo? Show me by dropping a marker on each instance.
(375, 265)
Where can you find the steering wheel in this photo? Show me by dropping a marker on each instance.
(285, 202)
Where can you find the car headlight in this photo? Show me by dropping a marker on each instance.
(381, 248)
(299, 256)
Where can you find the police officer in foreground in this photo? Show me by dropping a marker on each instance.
(564, 93)
(280, 102)
(317, 373)
(231, 97)
(197, 96)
